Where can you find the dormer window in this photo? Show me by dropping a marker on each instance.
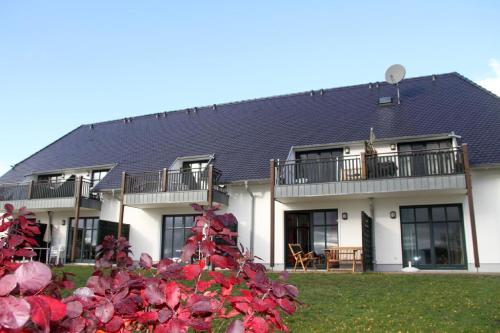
(97, 176)
(51, 178)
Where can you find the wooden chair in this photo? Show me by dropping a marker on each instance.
(340, 255)
(301, 258)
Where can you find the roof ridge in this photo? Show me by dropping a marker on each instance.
(249, 100)
(477, 85)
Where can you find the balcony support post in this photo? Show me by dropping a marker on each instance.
(272, 183)
(363, 166)
(164, 180)
(78, 197)
(122, 204)
(210, 185)
(470, 200)
(30, 189)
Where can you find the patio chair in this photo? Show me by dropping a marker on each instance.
(302, 258)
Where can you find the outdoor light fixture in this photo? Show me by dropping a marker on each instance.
(393, 146)
(344, 216)
(63, 222)
(347, 150)
(392, 214)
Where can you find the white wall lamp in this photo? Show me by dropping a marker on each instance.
(393, 146)
(345, 216)
(393, 214)
(347, 150)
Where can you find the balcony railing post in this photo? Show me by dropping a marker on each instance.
(77, 216)
(363, 166)
(30, 188)
(272, 184)
(164, 180)
(122, 204)
(210, 184)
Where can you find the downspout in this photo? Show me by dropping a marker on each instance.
(252, 220)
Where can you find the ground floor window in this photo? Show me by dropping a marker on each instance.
(313, 230)
(433, 236)
(175, 230)
(86, 238)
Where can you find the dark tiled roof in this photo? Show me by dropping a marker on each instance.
(245, 135)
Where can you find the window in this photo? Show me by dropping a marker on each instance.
(433, 236)
(52, 178)
(194, 175)
(426, 158)
(97, 176)
(175, 231)
(319, 166)
(86, 238)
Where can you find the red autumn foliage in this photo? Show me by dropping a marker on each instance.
(164, 297)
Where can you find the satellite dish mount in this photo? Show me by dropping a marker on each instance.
(394, 75)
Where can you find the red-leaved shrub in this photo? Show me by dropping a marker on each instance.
(164, 297)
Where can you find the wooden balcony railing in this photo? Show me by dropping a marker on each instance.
(45, 190)
(387, 165)
(173, 180)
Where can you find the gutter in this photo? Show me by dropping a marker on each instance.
(252, 219)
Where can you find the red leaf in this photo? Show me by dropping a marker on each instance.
(114, 324)
(40, 312)
(148, 317)
(4, 226)
(258, 325)
(146, 261)
(15, 312)
(7, 284)
(236, 327)
(33, 276)
(173, 294)
(204, 285)
(191, 271)
(188, 250)
(57, 308)
(105, 311)
(74, 309)
(164, 315)
(8, 208)
(25, 253)
(286, 305)
(219, 261)
(154, 295)
(207, 247)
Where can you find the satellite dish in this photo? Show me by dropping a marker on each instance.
(395, 74)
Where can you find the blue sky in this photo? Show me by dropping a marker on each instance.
(67, 63)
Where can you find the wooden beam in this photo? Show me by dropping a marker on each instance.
(30, 189)
(78, 197)
(122, 204)
(470, 200)
(272, 182)
(363, 165)
(210, 185)
(164, 180)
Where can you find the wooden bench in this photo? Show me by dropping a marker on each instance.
(338, 255)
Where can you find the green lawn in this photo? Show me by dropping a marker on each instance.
(389, 302)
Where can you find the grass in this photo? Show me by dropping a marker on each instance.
(389, 302)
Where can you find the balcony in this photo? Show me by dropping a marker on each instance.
(37, 196)
(371, 175)
(174, 187)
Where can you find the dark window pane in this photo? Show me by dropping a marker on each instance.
(169, 222)
(424, 243)
(331, 218)
(189, 221)
(409, 243)
(453, 213)
(319, 240)
(319, 218)
(438, 214)
(178, 242)
(407, 215)
(179, 222)
(455, 244)
(332, 235)
(441, 243)
(421, 214)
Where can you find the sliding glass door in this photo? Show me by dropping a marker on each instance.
(313, 230)
(86, 238)
(175, 230)
(433, 236)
